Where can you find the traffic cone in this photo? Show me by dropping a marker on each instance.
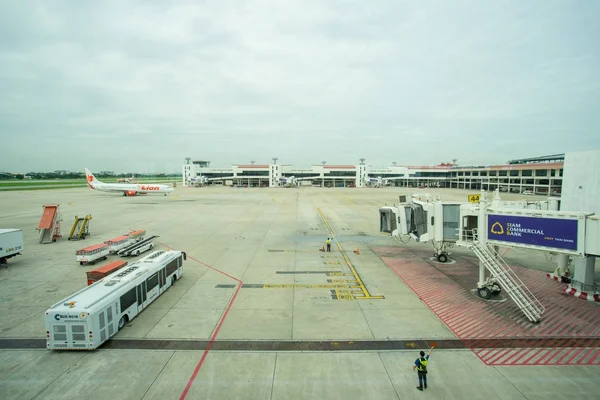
(323, 249)
(357, 251)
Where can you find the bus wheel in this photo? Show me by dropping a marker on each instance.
(173, 279)
(122, 322)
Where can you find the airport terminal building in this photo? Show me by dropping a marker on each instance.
(540, 175)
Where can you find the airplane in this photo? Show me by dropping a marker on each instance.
(293, 181)
(378, 182)
(199, 181)
(128, 189)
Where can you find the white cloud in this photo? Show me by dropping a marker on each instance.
(414, 82)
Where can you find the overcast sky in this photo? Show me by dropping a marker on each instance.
(125, 85)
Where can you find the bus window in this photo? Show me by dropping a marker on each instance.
(151, 282)
(127, 300)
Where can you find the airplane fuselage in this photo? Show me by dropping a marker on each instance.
(132, 188)
(128, 189)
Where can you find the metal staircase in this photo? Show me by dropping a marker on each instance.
(509, 281)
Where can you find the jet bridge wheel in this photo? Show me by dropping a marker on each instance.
(442, 257)
(484, 293)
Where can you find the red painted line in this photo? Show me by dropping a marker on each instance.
(486, 328)
(526, 361)
(564, 327)
(574, 355)
(592, 360)
(518, 353)
(409, 286)
(592, 322)
(523, 353)
(568, 352)
(511, 330)
(495, 324)
(219, 271)
(563, 321)
(586, 355)
(468, 328)
(453, 311)
(217, 329)
(550, 320)
(499, 355)
(438, 296)
(459, 319)
(553, 354)
(210, 343)
(480, 357)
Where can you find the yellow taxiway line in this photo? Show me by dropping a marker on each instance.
(359, 282)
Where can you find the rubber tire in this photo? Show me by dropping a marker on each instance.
(484, 293)
(442, 258)
(499, 289)
(122, 323)
(173, 280)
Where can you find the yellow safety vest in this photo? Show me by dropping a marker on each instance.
(328, 241)
(422, 364)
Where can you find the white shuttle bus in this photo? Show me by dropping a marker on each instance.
(88, 318)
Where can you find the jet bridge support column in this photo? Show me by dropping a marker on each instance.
(583, 277)
(562, 262)
(482, 236)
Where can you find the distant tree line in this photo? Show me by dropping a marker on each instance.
(6, 176)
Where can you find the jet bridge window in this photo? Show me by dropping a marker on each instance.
(387, 221)
(418, 220)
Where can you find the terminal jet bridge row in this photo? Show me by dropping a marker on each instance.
(482, 225)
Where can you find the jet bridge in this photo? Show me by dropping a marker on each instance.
(482, 225)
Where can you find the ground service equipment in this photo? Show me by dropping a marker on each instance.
(91, 254)
(137, 235)
(11, 244)
(137, 248)
(104, 271)
(49, 225)
(118, 243)
(88, 318)
(80, 228)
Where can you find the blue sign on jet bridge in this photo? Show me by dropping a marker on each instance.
(547, 232)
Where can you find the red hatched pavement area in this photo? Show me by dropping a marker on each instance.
(446, 290)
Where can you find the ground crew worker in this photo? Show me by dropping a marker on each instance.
(328, 244)
(421, 366)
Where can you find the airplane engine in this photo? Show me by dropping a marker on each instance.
(130, 193)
